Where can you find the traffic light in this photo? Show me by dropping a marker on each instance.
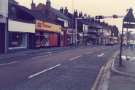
(99, 17)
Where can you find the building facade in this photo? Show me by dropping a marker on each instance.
(54, 16)
(47, 34)
(16, 30)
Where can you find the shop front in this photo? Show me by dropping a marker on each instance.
(64, 37)
(3, 15)
(47, 34)
(18, 34)
(71, 36)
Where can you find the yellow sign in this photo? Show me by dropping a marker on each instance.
(45, 26)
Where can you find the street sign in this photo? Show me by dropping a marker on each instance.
(129, 20)
(128, 25)
(129, 16)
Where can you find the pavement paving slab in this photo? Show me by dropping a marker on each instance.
(123, 78)
(119, 82)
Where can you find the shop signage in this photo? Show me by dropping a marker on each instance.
(45, 26)
(17, 26)
(85, 28)
(129, 25)
(4, 8)
(64, 21)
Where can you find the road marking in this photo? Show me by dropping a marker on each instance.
(49, 52)
(101, 55)
(88, 53)
(43, 71)
(94, 87)
(4, 64)
(75, 58)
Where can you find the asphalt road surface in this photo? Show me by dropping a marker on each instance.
(74, 69)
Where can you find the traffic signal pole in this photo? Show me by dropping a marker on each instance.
(121, 46)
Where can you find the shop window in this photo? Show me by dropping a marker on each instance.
(42, 39)
(17, 39)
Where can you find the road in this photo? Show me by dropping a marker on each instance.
(74, 69)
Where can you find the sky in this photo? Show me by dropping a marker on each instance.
(92, 7)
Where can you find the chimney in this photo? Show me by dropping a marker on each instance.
(48, 3)
(65, 11)
(61, 10)
(33, 6)
(75, 13)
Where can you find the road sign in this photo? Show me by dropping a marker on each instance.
(128, 25)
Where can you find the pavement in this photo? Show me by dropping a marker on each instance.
(28, 53)
(123, 78)
(72, 69)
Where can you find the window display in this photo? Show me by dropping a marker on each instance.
(42, 39)
(17, 39)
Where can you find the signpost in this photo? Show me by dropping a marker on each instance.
(128, 22)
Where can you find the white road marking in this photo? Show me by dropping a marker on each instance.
(88, 53)
(74, 58)
(101, 55)
(43, 71)
(49, 52)
(4, 64)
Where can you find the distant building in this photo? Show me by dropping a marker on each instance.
(47, 33)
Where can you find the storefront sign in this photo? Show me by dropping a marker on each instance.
(85, 28)
(4, 8)
(64, 21)
(16, 26)
(40, 25)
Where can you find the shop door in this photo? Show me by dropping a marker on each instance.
(2, 37)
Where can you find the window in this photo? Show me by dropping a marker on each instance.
(17, 39)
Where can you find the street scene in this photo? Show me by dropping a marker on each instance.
(67, 45)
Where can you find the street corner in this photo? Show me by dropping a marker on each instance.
(122, 78)
(127, 68)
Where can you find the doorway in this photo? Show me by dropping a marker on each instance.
(2, 37)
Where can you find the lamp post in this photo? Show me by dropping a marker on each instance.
(76, 31)
(72, 22)
(121, 46)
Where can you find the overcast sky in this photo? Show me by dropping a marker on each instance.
(92, 7)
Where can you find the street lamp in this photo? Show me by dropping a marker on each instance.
(121, 46)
